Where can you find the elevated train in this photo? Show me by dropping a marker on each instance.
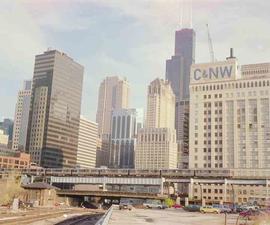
(170, 173)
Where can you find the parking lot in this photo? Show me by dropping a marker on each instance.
(168, 216)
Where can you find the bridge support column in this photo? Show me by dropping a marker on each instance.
(161, 185)
(104, 184)
(186, 201)
(225, 190)
(190, 188)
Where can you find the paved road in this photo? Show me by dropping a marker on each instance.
(168, 217)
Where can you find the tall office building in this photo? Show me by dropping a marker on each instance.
(178, 73)
(21, 117)
(125, 124)
(156, 146)
(103, 154)
(113, 94)
(87, 144)
(160, 105)
(229, 115)
(54, 117)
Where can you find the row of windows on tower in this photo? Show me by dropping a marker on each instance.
(232, 85)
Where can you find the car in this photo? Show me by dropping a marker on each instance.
(209, 209)
(249, 207)
(223, 208)
(125, 204)
(192, 208)
(251, 214)
(154, 205)
(177, 206)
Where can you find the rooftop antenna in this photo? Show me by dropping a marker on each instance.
(210, 45)
(190, 16)
(181, 13)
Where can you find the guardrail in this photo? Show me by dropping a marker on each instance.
(104, 220)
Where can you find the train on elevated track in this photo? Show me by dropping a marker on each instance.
(184, 173)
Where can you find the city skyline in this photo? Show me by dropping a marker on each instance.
(149, 35)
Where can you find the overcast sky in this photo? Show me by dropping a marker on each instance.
(129, 38)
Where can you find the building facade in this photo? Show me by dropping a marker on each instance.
(125, 125)
(113, 94)
(156, 146)
(7, 127)
(229, 111)
(103, 151)
(3, 138)
(13, 159)
(21, 117)
(53, 128)
(178, 73)
(87, 144)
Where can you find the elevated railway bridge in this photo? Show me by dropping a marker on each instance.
(133, 177)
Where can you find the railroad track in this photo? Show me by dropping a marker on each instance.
(82, 220)
(32, 217)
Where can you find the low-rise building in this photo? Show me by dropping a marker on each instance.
(13, 159)
(40, 193)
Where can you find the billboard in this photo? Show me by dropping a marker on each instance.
(208, 72)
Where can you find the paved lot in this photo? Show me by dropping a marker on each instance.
(168, 216)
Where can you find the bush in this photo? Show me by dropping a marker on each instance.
(10, 188)
(169, 202)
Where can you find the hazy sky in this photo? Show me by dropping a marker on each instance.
(130, 38)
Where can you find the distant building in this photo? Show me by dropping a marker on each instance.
(21, 117)
(12, 159)
(156, 146)
(87, 144)
(3, 138)
(178, 73)
(113, 94)
(229, 115)
(54, 118)
(103, 151)
(125, 124)
(7, 127)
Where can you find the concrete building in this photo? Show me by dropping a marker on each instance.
(7, 127)
(87, 144)
(13, 159)
(54, 117)
(156, 146)
(113, 94)
(231, 193)
(3, 138)
(125, 125)
(21, 117)
(178, 73)
(230, 114)
(103, 152)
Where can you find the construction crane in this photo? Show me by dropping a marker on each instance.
(210, 45)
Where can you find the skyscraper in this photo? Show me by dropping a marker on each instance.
(21, 117)
(156, 146)
(87, 145)
(229, 115)
(125, 124)
(113, 94)
(54, 117)
(178, 73)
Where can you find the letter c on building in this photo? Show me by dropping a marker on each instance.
(197, 74)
